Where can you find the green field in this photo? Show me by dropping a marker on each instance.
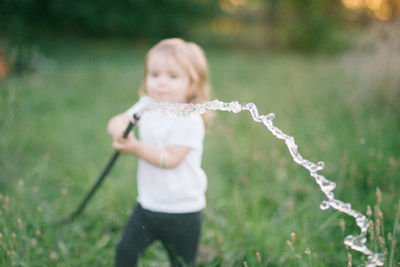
(53, 145)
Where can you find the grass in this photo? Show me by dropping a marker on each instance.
(53, 144)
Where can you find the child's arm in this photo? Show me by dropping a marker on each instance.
(117, 125)
(169, 158)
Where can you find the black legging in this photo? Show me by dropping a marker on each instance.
(178, 233)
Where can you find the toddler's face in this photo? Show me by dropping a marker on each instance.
(166, 79)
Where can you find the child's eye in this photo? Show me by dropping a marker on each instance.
(154, 74)
(173, 76)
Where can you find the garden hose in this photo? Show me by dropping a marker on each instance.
(101, 178)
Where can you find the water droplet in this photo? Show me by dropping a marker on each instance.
(377, 259)
(320, 165)
(324, 205)
(235, 107)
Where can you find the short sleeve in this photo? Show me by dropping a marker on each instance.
(188, 131)
(138, 106)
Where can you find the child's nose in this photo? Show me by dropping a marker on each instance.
(162, 81)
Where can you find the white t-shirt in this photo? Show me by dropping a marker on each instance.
(178, 190)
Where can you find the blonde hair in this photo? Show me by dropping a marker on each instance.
(192, 58)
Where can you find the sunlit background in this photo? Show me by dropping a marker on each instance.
(381, 9)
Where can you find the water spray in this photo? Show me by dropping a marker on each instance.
(357, 242)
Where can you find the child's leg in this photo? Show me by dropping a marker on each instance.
(135, 239)
(181, 238)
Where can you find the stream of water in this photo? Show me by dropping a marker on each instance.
(355, 242)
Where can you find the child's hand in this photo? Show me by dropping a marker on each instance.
(117, 125)
(126, 145)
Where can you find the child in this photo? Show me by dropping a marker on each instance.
(171, 182)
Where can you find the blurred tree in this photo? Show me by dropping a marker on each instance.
(384, 10)
(17, 20)
(309, 24)
(103, 18)
(395, 4)
(304, 25)
(23, 21)
(271, 20)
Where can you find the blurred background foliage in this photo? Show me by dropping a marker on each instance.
(307, 26)
(125, 19)
(302, 25)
